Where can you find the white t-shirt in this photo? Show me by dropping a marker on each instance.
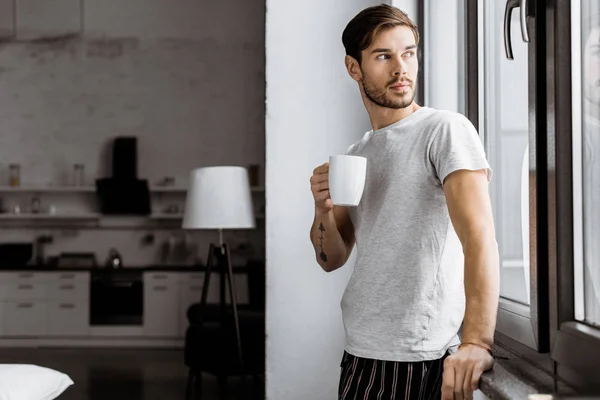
(405, 299)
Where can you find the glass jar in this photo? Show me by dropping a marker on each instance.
(14, 175)
(78, 170)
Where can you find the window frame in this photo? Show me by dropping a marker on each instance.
(519, 325)
(546, 333)
(575, 345)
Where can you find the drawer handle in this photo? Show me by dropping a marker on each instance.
(24, 305)
(67, 276)
(25, 287)
(26, 275)
(67, 287)
(196, 288)
(67, 306)
(160, 276)
(160, 288)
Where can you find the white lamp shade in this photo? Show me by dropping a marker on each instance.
(219, 198)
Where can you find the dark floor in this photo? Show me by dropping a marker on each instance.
(119, 374)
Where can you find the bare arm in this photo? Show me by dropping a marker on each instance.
(332, 236)
(471, 214)
(332, 232)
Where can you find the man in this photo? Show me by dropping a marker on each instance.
(425, 203)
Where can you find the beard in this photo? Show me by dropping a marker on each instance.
(383, 98)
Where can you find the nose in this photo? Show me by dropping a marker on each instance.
(400, 67)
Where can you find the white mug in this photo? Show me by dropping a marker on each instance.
(347, 176)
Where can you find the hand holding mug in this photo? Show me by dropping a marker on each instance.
(319, 184)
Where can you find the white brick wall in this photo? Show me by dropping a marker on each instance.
(185, 77)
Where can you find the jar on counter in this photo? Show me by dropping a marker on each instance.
(78, 174)
(14, 179)
(35, 205)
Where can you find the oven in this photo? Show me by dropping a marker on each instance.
(116, 297)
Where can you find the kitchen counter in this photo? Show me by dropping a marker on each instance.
(160, 268)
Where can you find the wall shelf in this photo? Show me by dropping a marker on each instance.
(44, 216)
(47, 189)
(167, 216)
(175, 189)
(82, 215)
(92, 189)
(94, 220)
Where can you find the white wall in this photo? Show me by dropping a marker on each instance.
(313, 111)
(408, 6)
(442, 74)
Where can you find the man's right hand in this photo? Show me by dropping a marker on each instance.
(319, 184)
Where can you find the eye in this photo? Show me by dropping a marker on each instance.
(383, 57)
(409, 54)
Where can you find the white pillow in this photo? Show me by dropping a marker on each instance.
(31, 382)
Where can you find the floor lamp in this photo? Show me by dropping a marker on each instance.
(220, 198)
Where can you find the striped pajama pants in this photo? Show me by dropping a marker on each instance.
(366, 379)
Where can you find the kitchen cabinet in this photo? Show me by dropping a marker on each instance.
(67, 297)
(24, 318)
(68, 318)
(190, 292)
(161, 304)
(26, 290)
(56, 304)
(44, 303)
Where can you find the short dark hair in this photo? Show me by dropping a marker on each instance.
(366, 25)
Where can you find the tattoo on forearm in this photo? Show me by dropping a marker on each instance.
(322, 253)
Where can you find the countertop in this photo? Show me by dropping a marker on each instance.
(159, 268)
(515, 378)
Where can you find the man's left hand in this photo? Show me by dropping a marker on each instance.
(462, 371)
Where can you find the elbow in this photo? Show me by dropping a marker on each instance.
(476, 240)
(329, 265)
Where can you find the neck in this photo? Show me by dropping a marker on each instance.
(381, 117)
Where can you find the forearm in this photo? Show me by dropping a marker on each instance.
(327, 241)
(481, 289)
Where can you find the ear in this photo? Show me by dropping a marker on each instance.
(353, 68)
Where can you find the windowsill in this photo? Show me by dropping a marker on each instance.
(515, 378)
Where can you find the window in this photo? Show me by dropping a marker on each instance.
(575, 302)
(506, 100)
(442, 67)
(586, 158)
(533, 92)
(506, 130)
(486, 66)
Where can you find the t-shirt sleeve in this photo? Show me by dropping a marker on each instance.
(456, 146)
(350, 151)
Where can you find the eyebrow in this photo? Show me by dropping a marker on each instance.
(409, 47)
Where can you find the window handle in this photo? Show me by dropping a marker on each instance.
(524, 31)
(510, 6)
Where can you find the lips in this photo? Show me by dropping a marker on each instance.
(400, 85)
